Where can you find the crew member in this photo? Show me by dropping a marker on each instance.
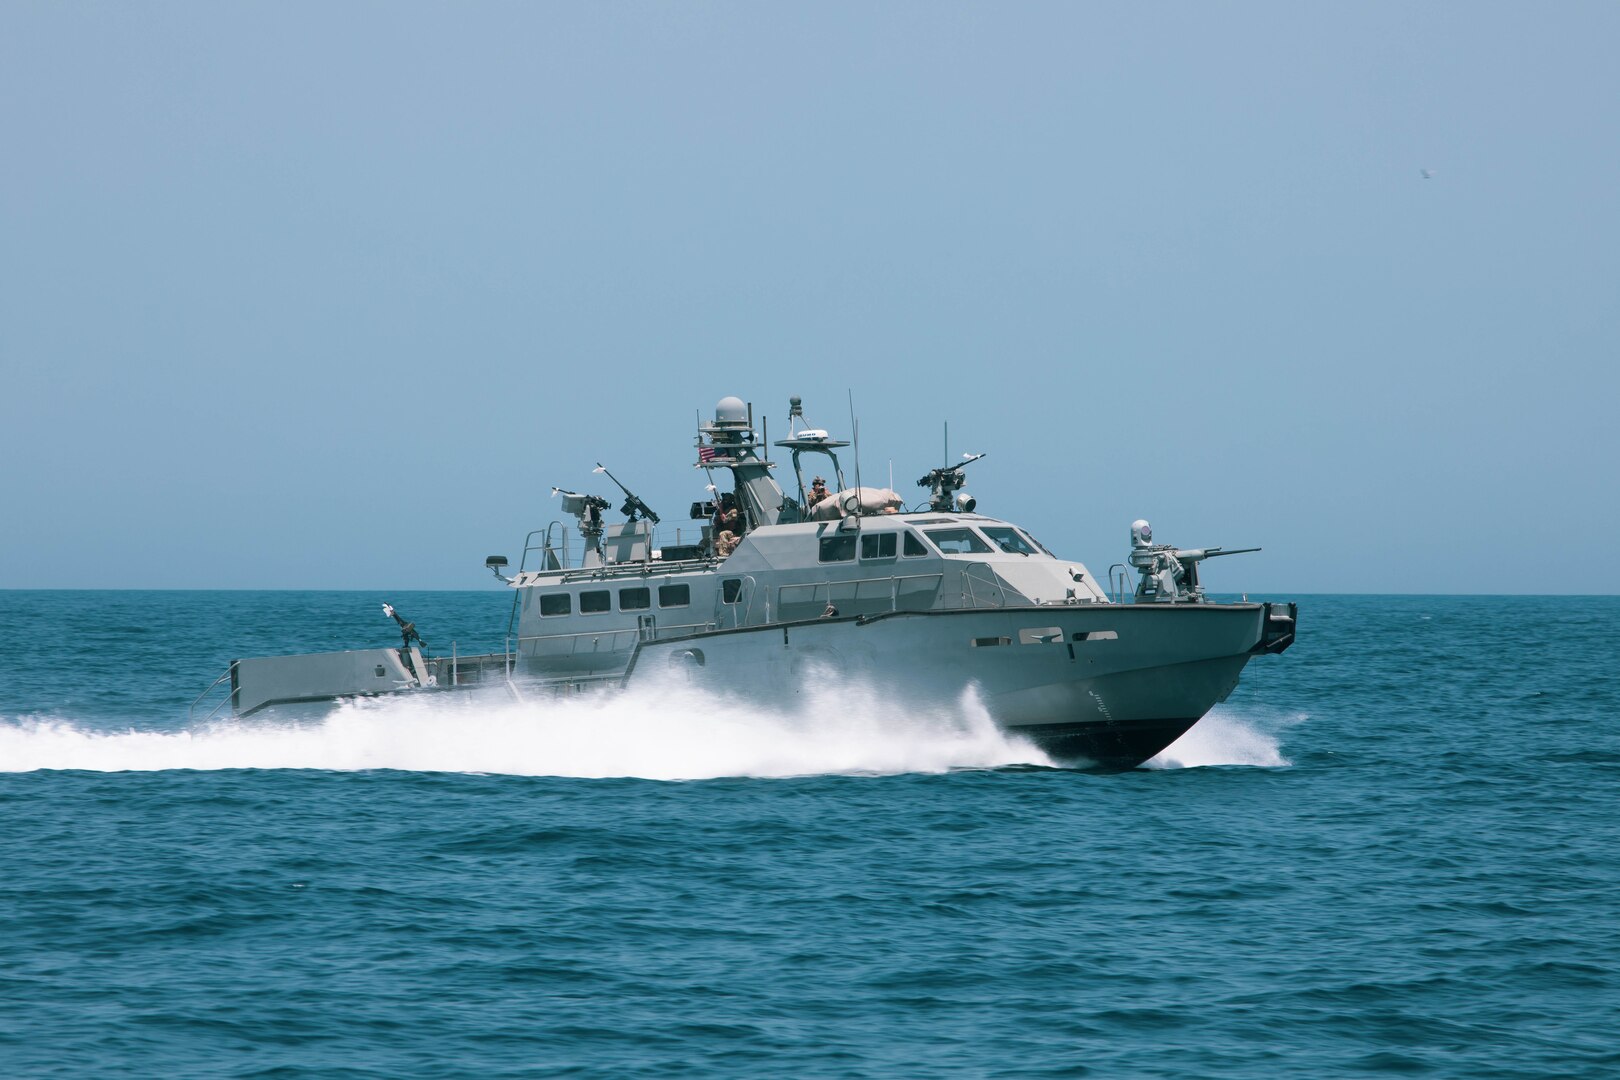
(818, 490)
(727, 526)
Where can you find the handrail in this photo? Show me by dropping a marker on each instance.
(659, 631)
(615, 571)
(657, 540)
(507, 662)
(545, 545)
(742, 613)
(969, 575)
(860, 580)
(1118, 589)
(584, 634)
(191, 713)
(893, 580)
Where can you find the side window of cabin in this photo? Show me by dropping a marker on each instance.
(877, 546)
(837, 548)
(674, 595)
(731, 590)
(639, 599)
(556, 603)
(595, 602)
(913, 546)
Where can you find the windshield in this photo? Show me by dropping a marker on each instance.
(957, 541)
(1010, 540)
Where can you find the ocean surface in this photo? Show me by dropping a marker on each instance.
(1394, 850)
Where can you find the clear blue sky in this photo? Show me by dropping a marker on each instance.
(329, 295)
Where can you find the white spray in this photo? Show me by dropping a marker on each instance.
(668, 732)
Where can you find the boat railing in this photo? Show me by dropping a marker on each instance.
(613, 634)
(550, 554)
(564, 684)
(572, 683)
(556, 554)
(508, 666)
(223, 703)
(972, 573)
(742, 608)
(661, 630)
(824, 592)
(669, 630)
(1119, 581)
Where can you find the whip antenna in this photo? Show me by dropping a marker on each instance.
(855, 432)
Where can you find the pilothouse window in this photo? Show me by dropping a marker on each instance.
(674, 595)
(595, 602)
(913, 546)
(958, 541)
(635, 599)
(1009, 540)
(556, 604)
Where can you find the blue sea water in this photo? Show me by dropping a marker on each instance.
(1393, 850)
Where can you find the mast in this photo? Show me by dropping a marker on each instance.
(731, 445)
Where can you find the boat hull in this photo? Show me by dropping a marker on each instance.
(1106, 746)
(1094, 686)
(1100, 686)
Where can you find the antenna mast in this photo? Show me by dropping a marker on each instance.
(855, 432)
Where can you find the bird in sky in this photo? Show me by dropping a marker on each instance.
(1428, 174)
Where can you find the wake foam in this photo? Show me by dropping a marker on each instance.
(665, 732)
(670, 732)
(1223, 738)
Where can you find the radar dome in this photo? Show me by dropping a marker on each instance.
(731, 410)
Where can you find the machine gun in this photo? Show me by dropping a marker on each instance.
(1170, 574)
(944, 482)
(632, 505)
(411, 646)
(407, 629)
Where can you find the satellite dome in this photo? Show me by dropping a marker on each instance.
(731, 410)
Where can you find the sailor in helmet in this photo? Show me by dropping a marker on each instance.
(818, 490)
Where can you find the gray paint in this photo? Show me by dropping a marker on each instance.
(1035, 635)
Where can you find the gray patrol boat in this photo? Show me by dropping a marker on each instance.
(923, 603)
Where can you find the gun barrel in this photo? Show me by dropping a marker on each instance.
(613, 478)
(631, 499)
(1199, 554)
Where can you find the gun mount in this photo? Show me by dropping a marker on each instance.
(1170, 574)
(945, 482)
(587, 509)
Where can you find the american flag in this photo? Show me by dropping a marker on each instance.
(705, 453)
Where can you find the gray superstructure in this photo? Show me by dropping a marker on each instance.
(777, 588)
